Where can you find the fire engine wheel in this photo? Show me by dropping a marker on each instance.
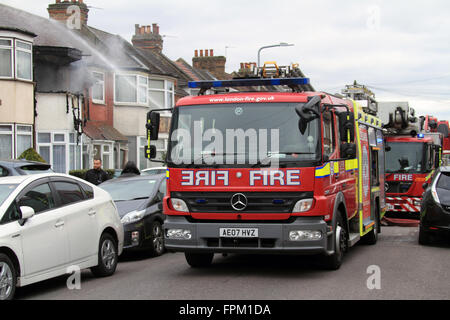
(334, 261)
(199, 260)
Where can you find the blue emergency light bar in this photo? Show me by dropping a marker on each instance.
(248, 83)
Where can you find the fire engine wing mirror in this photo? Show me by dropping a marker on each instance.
(307, 113)
(153, 122)
(346, 126)
(150, 153)
(348, 150)
(425, 186)
(387, 148)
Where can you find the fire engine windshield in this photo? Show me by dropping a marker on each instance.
(406, 157)
(248, 135)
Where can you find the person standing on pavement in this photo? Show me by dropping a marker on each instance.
(97, 175)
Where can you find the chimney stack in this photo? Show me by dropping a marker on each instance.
(148, 38)
(59, 11)
(214, 64)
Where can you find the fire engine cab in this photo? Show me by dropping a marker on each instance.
(413, 152)
(281, 172)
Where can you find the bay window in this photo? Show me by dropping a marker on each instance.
(161, 94)
(6, 58)
(14, 140)
(125, 89)
(60, 150)
(24, 60)
(6, 141)
(140, 90)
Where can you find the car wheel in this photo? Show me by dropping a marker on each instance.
(424, 237)
(7, 278)
(157, 237)
(334, 261)
(107, 257)
(199, 260)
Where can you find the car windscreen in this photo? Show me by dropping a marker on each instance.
(130, 189)
(35, 169)
(5, 191)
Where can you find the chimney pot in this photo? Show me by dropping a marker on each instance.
(196, 53)
(149, 30)
(201, 53)
(211, 53)
(58, 1)
(206, 53)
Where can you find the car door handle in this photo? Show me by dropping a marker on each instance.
(59, 224)
(92, 212)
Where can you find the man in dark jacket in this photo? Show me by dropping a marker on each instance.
(97, 175)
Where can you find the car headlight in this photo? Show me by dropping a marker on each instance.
(133, 216)
(179, 205)
(303, 205)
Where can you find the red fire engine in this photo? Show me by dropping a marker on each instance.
(315, 189)
(432, 124)
(413, 152)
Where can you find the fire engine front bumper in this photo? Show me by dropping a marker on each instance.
(272, 238)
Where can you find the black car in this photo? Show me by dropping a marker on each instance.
(22, 168)
(435, 207)
(139, 202)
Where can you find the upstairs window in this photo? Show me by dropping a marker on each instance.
(6, 58)
(98, 89)
(16, 55)
(24, 61)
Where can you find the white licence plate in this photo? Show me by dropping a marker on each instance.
(390, 206)
(238, 233)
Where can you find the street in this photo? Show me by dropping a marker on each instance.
(408, 271)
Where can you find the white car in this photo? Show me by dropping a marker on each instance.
(50, 223)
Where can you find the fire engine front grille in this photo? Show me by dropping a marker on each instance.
(398, 187)
(257, 202)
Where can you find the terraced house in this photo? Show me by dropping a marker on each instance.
(76, 93)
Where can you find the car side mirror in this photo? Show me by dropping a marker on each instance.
(160, 206)
(25, 214)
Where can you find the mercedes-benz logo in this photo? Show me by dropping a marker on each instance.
(239, 202)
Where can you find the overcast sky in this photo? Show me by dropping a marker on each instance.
(400, 49)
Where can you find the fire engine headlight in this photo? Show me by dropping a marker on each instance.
(303, 205)
(178, 234)
(305, 235)
(179, 205)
